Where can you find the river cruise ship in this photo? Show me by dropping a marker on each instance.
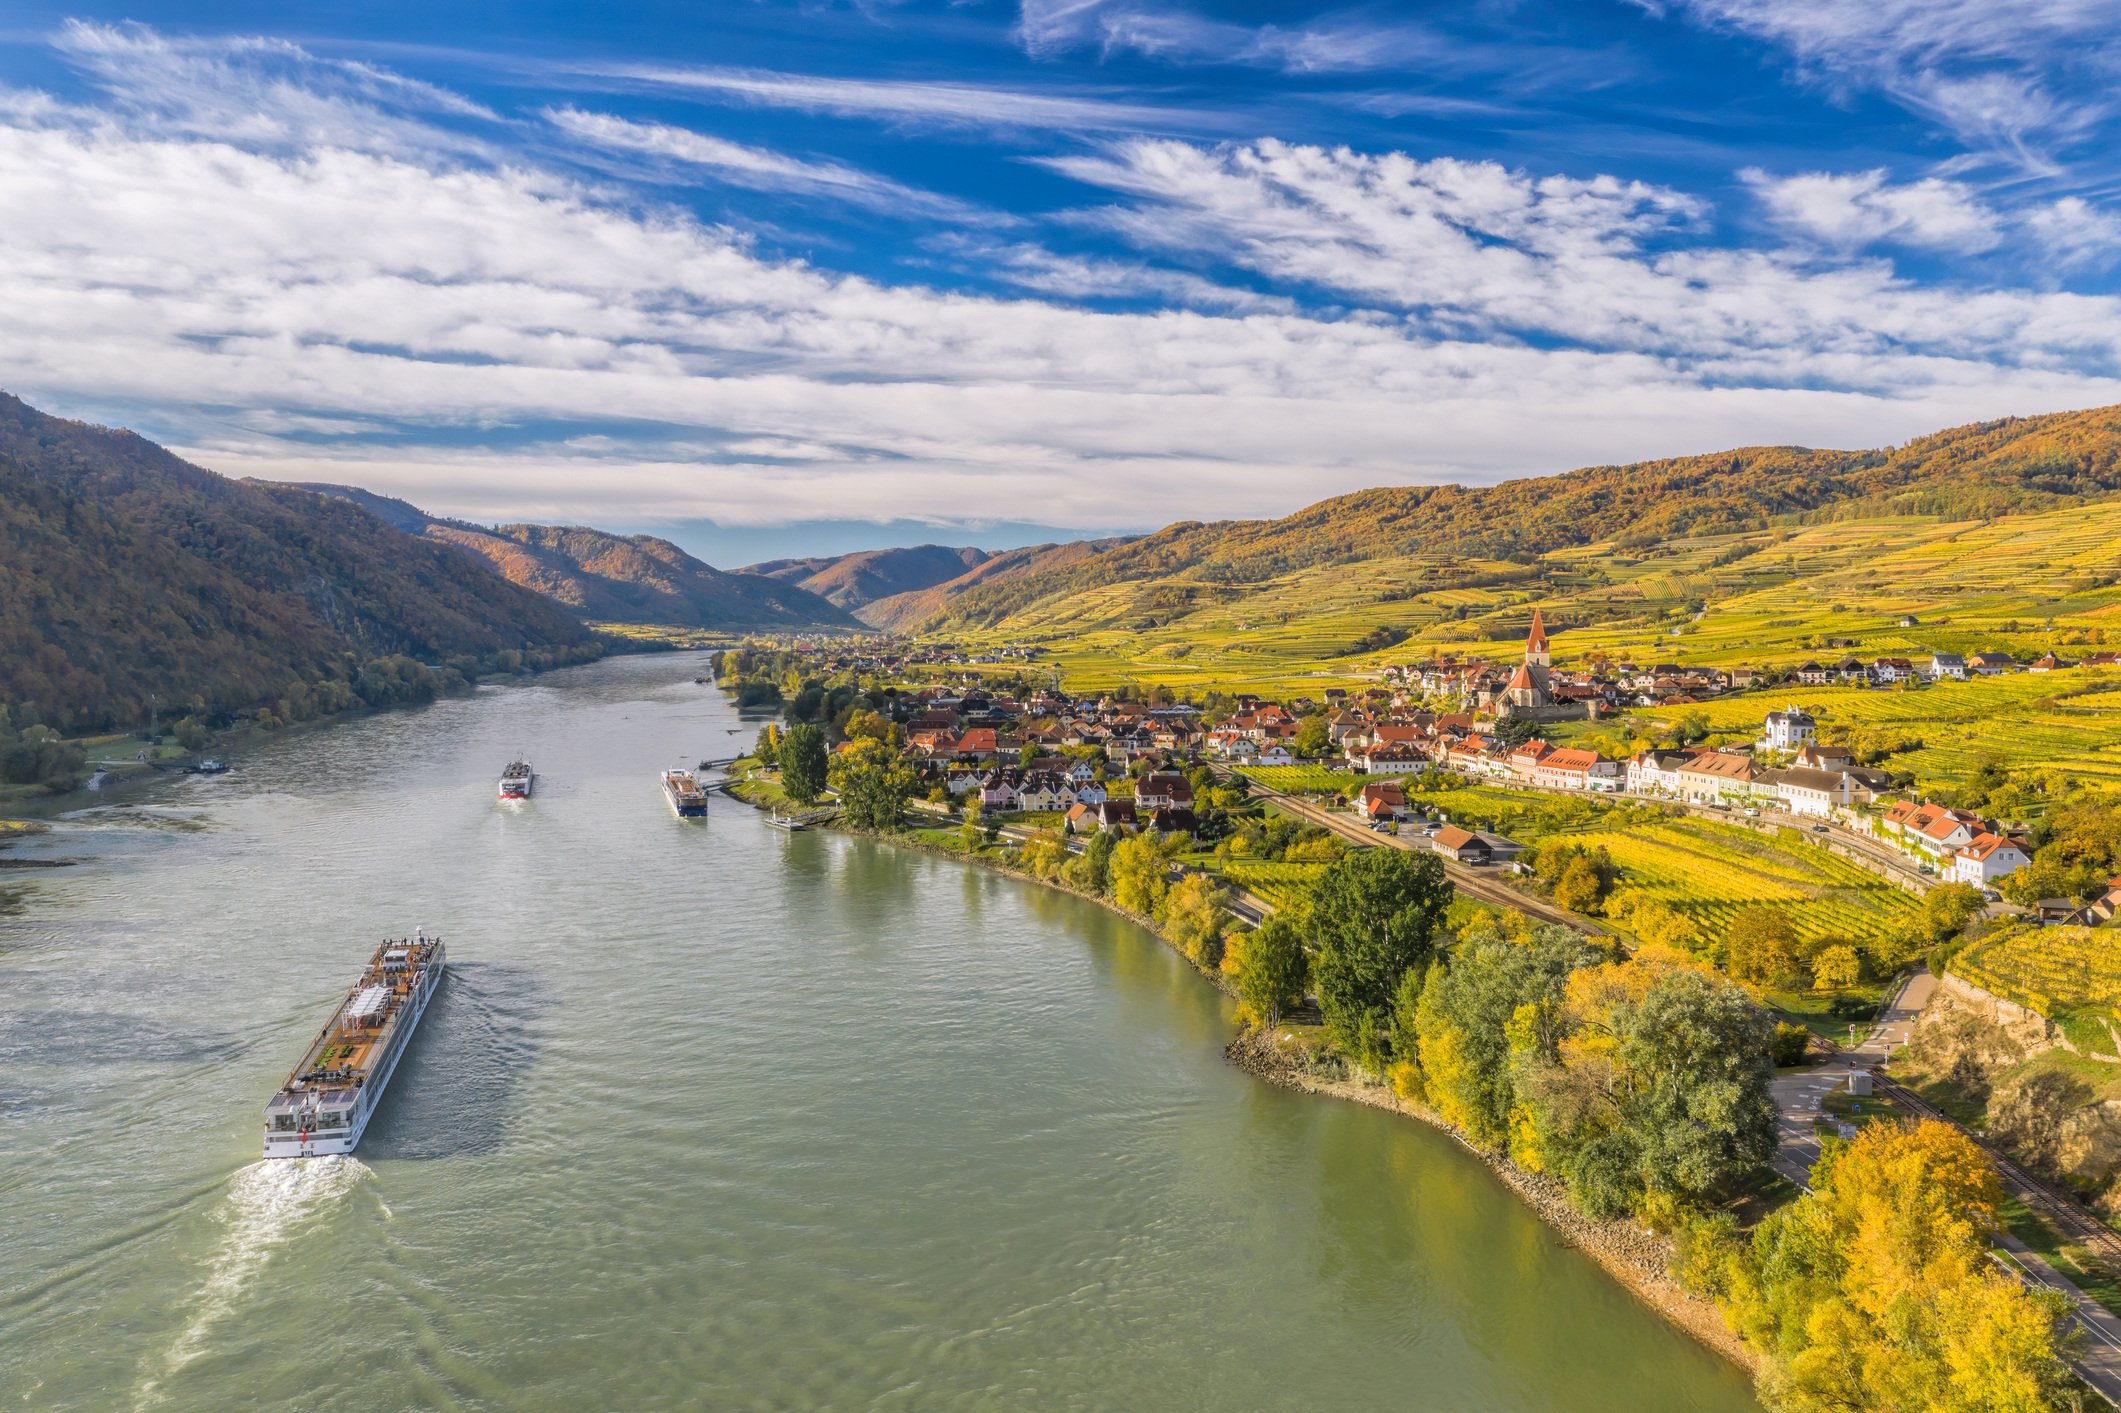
(517, 780)
(682, 789)
(327, 1102)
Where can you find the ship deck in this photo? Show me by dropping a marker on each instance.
(346, 1050)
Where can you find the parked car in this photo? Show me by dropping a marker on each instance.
(1753, 812)
(1819, 829)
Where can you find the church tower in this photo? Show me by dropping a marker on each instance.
(1535, 643)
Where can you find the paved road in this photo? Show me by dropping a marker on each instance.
(1798, 1095)
(1798, 1092)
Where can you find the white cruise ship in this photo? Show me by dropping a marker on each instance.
(327, 1102)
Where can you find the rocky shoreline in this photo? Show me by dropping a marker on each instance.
(1632, 1254)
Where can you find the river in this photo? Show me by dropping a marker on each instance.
(706, 1116)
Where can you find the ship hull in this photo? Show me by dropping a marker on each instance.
(285, 1145)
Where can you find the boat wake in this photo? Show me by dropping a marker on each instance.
(266, 1204)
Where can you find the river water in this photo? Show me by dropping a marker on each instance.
(706, 1116)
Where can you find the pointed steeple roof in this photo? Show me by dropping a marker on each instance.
(1536, 640)
(1522, 681)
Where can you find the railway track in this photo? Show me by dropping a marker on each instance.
(1468, 881)
(2063, 1211)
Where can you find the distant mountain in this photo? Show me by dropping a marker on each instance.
(1027, 566)
(851, 580)
(2013, 465)
(607, 578)
(640, 579)
(129, 574)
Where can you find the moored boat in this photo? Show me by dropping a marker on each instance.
(682, 788)
(518, 780)
(329, 1098)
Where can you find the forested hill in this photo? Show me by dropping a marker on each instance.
(851, 580)
(126, 572)
(1978, 471)
(640, 579)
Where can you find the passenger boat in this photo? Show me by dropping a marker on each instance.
(210, 766)
(517, 780)
(330, 1097)
(682, 788)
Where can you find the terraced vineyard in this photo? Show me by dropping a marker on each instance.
(2054, 970)
(2068, 720)
(1710, 871)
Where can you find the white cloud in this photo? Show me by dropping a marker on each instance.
(950, 105)
(758, 167)
(267, 92)
(2013, 79)
(1477, 250)
(1336, 44)
(2077, 233)
(1853, 209)
(250, 291)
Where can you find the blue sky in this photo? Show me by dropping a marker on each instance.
(797, 277)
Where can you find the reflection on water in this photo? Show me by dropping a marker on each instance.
(706, 1115)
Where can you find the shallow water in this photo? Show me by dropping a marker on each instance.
(705, 1116)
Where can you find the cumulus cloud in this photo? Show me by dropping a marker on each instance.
(297, 299)
(1865, 208)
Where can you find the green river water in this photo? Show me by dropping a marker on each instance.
(706, 1116)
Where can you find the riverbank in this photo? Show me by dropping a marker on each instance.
(1633, 1255)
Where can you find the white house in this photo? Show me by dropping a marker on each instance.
(1655, 772)
(1816, 792)
(1988, 858)
(1947, 667)
(1276, 754)
(1788, 729)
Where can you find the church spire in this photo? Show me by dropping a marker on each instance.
(1535, 642)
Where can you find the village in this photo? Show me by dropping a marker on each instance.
(1118, 763)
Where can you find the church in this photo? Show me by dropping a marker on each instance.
(1530, 696)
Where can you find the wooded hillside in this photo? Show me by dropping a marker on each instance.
(851, 580)
(126, 572)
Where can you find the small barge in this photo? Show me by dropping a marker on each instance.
(518, 780)
(687, 798)
(329, 1098)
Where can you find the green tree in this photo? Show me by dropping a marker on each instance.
(1314, 736)
(1269, 968)
(1493, 999)
(1374, 915)
(1092, 869)
(1695, 1105)
(872, 782)
(1948, 909)
(1761, 946)
(803, 768)
(767, 751)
